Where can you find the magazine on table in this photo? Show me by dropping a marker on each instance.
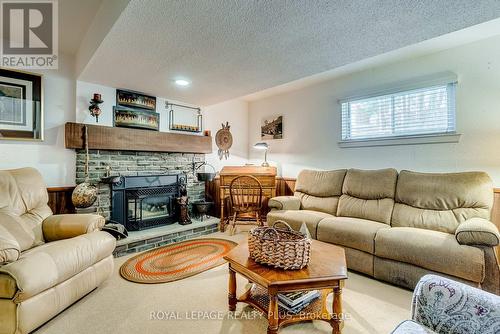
(293, 310)
(293, 299)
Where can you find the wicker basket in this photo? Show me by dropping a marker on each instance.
(279, 246)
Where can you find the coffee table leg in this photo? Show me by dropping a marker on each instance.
(232, 290)
(337, 316)
(272, 316)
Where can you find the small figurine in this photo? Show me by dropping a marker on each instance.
(183, 203)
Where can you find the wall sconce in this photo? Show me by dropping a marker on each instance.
(265, 147)
(94, 109)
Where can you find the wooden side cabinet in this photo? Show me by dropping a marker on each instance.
(266, 176)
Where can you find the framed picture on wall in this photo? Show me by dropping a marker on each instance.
(21, 105)
(272, 128)
(136, 118)
(130, 99)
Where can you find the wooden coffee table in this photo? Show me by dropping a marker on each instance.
(326, 272)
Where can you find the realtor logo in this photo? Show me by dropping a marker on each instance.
(29, 34)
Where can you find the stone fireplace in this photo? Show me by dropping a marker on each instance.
(137, 166)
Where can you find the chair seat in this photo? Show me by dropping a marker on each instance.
(350, 232)
(295, 218)
(246, 209)
(432, 250)
(46, 266)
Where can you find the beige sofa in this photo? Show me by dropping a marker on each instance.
(47, 262)
(399, 227)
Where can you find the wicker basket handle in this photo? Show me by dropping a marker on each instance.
(270, 229)
(281, 222)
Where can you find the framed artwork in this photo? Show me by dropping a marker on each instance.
(272, 128)
(136, 118)
(125, 98)
(21, 105)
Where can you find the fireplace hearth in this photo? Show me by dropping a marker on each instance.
(141, 202)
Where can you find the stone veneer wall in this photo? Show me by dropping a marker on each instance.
(129, 163)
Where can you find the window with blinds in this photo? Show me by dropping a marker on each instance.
(423, 111)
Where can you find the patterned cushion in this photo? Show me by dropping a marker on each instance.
(446, 306)
(411, 327)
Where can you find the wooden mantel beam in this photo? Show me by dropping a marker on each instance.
(126, 139)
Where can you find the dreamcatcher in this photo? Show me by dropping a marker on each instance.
(224, 141)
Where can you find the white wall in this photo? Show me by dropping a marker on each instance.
(50, 157)
(236, 113)
(84, 93)
(86, 90)
(311, 117)
(62, 93)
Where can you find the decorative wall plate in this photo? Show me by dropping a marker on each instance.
(224, 141)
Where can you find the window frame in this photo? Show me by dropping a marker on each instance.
(408, 139)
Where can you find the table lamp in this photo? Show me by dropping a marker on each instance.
(265, 147)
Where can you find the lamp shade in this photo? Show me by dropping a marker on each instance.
(261, 146)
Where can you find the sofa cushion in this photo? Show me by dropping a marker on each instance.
(350, 232)
(295, 218)
(320, 183)
(432, 250)
(441, 202)
(43, 267)
(320, 190)
(20, 231)
(368, 194)
(23, 198)
(9, 247)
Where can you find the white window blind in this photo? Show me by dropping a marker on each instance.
(423, 111)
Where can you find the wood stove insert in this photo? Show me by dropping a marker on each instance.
(141, 202)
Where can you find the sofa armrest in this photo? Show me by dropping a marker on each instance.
(67, 226)
(477, 231)
(438, 302)
(284, 203)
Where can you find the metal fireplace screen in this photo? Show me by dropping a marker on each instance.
(150, 207)
(140, 202)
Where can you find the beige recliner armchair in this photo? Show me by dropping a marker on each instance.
(47, 262)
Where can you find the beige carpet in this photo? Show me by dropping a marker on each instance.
(119, 306)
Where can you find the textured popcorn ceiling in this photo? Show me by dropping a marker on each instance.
(75, 17)
(233, 48)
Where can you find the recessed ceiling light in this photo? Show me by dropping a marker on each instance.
(182, 82)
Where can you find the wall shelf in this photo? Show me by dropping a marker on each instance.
(127, 139)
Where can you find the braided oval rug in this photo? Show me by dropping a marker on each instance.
(176, 261)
